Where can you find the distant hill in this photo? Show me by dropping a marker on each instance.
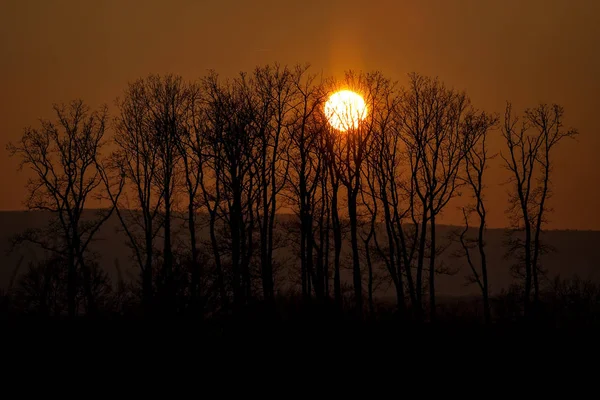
(576, 253)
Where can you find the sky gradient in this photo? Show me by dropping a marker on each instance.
(525, 51)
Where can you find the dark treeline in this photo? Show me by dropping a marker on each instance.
(227, 155)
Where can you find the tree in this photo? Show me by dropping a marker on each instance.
(475, 165)
(336, 223)
(64, 156)
(153, 116)
(275, 90)
(436, 144)
(398, 194)
(529, 146)
(348, 151)
(385, 184)
(369, 234)
(190, 145)
(133, 168)
(306, 172)
(167, 102)
(231, 143)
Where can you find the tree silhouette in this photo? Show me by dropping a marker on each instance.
(387, 187)
(134, 164)
(436, 143)
(475, 165)
(306, 174)
(190, 147)
(63, 157)
(231, 142)
(348, 152)
(529, 146)
(275, 91)
(199, 172)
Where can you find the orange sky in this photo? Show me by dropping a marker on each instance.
(520, 50)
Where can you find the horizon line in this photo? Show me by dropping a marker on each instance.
(291, 213)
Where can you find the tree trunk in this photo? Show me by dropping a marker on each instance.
(394, 255)
(408, 269)
(87, 288)
(526, 299)
(370, 283)
(484, 274)
(247, 246)
(87, 276)
(234, 221)
(420, 262)
(195, 281)
(337, 242)
(49, 274)
(309, 256)
(402, 251)
(356, 276)
(268, 268)
(147, 273)
(71, 282)
(536, 285)
(265, 222)
(303, 257)
(168, 253)
(432, 305)
(271, 223)
(320, 288)
(264, 267)
(536, 241)
(217, 256)
(326, 256)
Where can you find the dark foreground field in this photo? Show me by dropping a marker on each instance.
(257, 344)
(575, 309)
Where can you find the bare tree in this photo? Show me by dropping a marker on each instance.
(231, 143)
(306, 170)
(369, 235)
(336, 223)
(167, 101)
(63, 157)
(436, 145)
(134, 169)
(276, 91)
(153, 117)
(190, 144)
(529, 146)
(475, 165)
(207, 151)
(385, 182)
(348, 154)
(323, 228)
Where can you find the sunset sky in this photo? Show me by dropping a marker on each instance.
(525, 51)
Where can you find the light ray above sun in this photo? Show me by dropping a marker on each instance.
(345, 110)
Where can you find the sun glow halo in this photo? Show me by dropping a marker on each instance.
(345, 109)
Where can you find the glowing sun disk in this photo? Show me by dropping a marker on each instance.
(345, 109)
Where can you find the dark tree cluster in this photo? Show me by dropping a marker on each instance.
(197, 173)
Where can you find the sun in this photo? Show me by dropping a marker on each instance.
(345, 110)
